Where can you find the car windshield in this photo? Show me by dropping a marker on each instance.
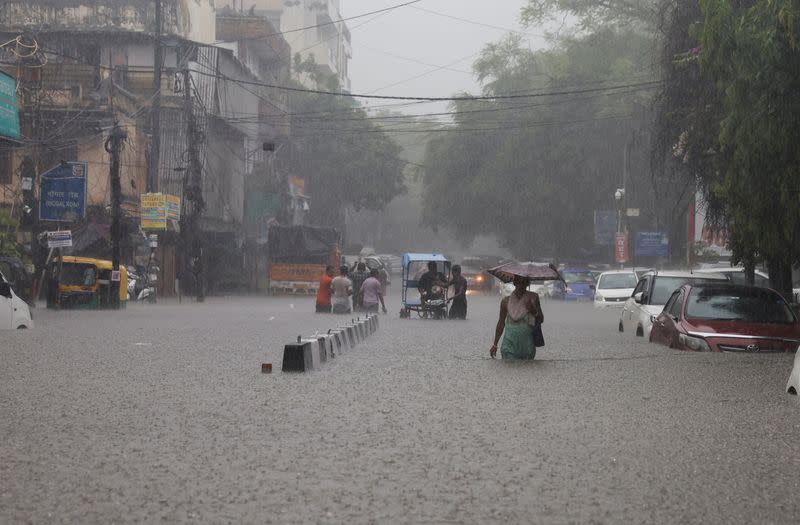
(78, 275)
(664, 286)
(752, 305)
(579, 277)
(617, 281)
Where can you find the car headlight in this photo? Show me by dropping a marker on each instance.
(696, 344)
(479, 278)
(568, 290)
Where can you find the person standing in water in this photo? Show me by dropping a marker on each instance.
(458, 308)
(342, 290)
(518, 312)
(324, 292)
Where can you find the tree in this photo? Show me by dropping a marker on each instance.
(750, 51)
(345, 159)
(8, 235)
(534, 171)
(592, 14)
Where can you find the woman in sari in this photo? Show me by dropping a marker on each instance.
(518, 313)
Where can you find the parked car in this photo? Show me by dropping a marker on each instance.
(580, 285)
(18, 277)
(14, 312)
(652, 293)
(724, 317)
(614, 288)
(736, 275)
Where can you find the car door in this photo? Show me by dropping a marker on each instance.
(664, 329)
(626, 316)
(639, 308)
(6, 305)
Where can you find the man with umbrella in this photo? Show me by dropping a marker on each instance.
(521, 312)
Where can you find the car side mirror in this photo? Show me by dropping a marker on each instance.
(638, 298)
(5, 290)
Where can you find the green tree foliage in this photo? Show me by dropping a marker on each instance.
(533, 171)
(345, 158)
(751, 53)
(592, 14)
(728, 121)
(8, 234)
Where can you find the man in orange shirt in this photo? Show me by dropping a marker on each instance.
(324, 292)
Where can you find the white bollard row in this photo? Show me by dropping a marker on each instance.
(310, 353)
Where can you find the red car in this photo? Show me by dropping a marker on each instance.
(726, 318)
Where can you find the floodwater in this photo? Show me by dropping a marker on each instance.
(161, 413)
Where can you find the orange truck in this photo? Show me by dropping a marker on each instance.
(298, 256)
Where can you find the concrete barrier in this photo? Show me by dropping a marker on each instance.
(310, 353)
(298, 357)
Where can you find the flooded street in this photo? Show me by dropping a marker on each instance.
(161, 414)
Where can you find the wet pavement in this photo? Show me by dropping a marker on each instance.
(161, 414)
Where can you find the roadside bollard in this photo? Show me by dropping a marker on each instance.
(339, 340)
(323, 347)
(298, 357)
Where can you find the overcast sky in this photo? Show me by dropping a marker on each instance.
(388, 48)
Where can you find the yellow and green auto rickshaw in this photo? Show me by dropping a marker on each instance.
(81, 282)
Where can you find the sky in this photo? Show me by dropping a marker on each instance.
(391, 49)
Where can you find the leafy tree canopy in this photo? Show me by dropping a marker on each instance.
(345, 158)
(592, 14)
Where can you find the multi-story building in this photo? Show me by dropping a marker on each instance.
(82, 65)
(312, 28)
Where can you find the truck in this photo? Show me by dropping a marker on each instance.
(298, 256)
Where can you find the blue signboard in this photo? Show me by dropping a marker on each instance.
(651, 244)
(9, 114)
(605, 226)
(62, 193)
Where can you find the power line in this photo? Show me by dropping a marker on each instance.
(429, 99)
(476, 23)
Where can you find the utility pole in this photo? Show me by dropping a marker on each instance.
(194, 191)
(155, 150)
(114, 146)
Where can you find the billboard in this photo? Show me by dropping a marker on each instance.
(651, 244)
(621, 255)
(605, 226)
(62, 193)
(157, 209)
(9, 114)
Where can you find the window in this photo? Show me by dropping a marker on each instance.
(616, 281)
(639, 287)
(674, 309)
(740, 303)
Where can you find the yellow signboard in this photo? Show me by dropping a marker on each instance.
(157, 208)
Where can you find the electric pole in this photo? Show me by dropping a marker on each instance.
(194, 191)
(114, 146)
(155, 150)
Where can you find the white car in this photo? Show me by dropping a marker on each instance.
(614, 288)
(651, 294)
(14, 312)
(793, 386)
(735, 275)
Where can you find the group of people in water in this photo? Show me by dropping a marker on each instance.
(364, 289)
(519, 323)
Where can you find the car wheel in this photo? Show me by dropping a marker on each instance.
(639, 331)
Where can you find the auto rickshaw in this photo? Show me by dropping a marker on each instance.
(415, 265)
(83, 283)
